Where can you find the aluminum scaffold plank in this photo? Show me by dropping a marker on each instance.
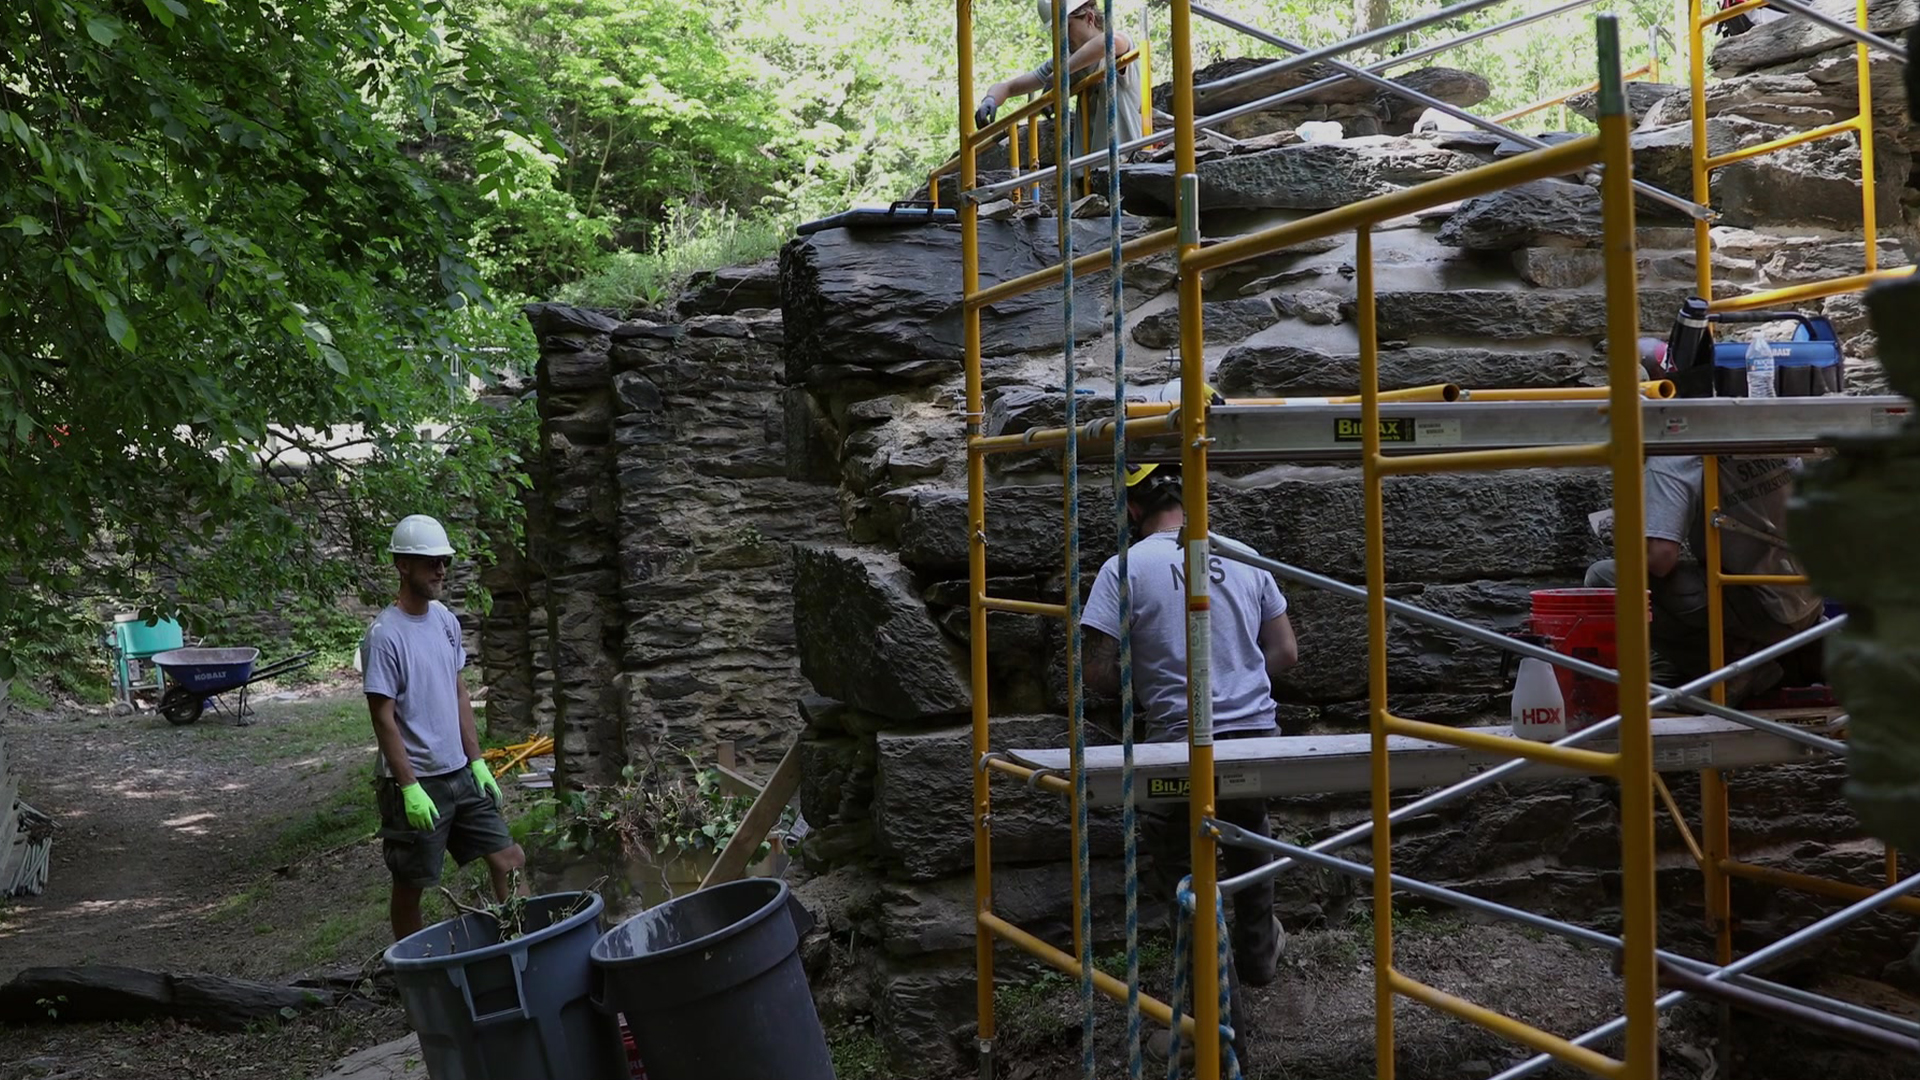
(1288, 765)
(1688, 426)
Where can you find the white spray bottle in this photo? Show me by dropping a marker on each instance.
(1539, 711)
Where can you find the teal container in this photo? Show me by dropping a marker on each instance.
(137, 639)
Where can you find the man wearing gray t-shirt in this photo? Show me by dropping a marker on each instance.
(1753, 502)
(436, 795)
(1253, 642)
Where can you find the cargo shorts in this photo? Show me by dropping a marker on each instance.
(470, 827)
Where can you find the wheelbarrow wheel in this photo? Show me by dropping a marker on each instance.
(181, 706)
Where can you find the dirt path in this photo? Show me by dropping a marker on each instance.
(160, 828)
(234, 850)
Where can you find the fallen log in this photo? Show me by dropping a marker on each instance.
(64, 995)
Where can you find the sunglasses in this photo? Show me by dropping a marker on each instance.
(435, 561)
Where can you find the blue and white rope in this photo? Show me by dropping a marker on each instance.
(1129, 825)
(1182, 963)
(1062, 117)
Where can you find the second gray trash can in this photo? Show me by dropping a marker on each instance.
(711, 987)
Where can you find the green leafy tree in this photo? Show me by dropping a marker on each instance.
(217, 258)
(653, 100)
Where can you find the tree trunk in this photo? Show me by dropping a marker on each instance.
(1370, 15)
(102, 993)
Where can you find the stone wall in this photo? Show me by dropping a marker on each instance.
(660, 536)
(755, 522)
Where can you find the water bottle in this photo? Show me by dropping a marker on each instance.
(1539, 712)
(1759, 369)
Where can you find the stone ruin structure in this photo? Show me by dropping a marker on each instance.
(749, 522)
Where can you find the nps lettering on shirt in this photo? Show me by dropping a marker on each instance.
(1216, 572)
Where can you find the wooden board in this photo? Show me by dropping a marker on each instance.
(760, 818)
(9, 809)
(1319, 764)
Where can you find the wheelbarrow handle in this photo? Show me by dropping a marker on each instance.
(281, 667)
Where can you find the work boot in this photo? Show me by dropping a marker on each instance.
(1751, 684)
(1159, 1041)
(1257, 957)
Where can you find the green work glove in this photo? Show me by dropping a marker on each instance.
(421, 813)
(483, 776)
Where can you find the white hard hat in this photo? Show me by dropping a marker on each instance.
(1045, 8)
(418, 534)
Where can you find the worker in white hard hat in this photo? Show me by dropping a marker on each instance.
(1253, 643)
(437, 796)
(1086, 50)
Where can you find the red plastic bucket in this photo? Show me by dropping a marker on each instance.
(635, 1070)
(1580, 623)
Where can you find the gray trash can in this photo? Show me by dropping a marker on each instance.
(515, 1010)
(712, 989)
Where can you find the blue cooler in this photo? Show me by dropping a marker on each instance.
(1808, 365)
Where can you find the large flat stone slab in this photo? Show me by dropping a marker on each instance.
(922, 802)
(1304, 176)
(1272, 364)
(396, 1060)
(884, 304)
(1792, 38)
(1536, 520)
(865, 638)
(1541, 213)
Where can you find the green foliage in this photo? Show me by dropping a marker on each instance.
(690, 240)
(653, 99)
(246, 250)
(349, 815)
(1522, 66)
(857, 1052)
(60, 648)
(652, 815)
(214, 247)
(332, 634)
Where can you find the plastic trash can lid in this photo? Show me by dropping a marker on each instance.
(424, 948)
(694, 921)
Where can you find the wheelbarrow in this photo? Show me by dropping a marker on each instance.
(197, 677)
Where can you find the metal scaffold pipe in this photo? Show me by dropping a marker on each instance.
(1685, 696)
(1742, 966)
(1235, 835)
(993, 191)
(1492, 776)
(1469, 38)
(1686, 206)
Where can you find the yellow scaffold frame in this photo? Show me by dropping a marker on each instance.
(1631, 764)
(1622, 453)
(1713, 848)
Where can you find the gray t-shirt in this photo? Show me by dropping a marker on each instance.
(1753, 494)
(1240, 599)
(1096, 104)
(416, 661)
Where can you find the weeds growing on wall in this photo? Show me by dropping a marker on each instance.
(692, 239)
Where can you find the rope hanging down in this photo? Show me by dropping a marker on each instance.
(1182, 961)
(1129, 822)
(1083, 865)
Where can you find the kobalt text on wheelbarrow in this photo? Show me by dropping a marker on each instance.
(199, 676)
